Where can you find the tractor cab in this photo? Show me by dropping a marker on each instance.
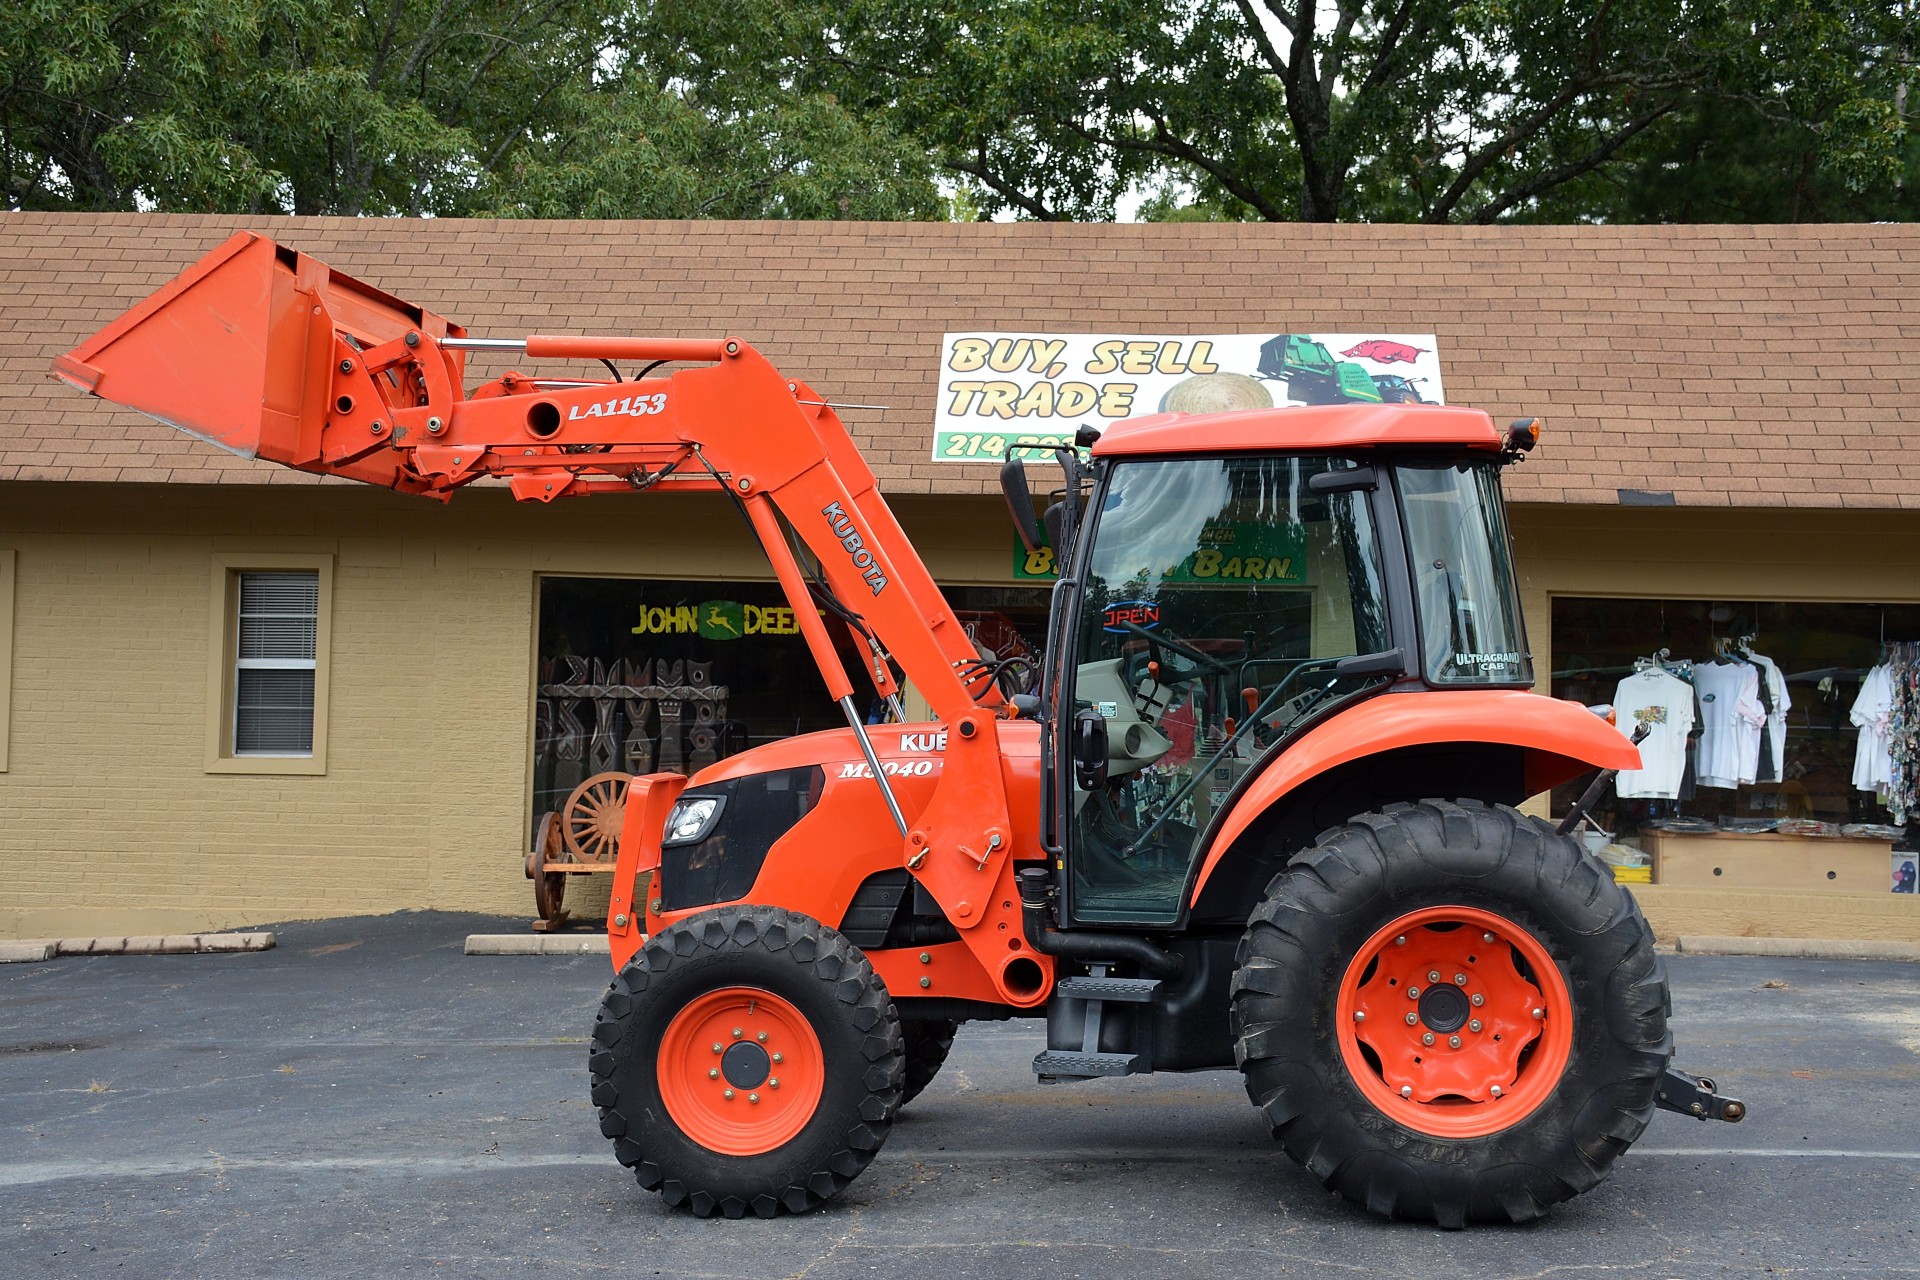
(1235, 581)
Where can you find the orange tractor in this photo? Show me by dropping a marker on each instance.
(1252, 812)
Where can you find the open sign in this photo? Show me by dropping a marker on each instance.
(1122, 615)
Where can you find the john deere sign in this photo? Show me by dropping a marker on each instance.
(716, 620)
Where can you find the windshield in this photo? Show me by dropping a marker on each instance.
(1219, 594)
(1470, 630)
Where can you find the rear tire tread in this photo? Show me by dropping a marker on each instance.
(1364, 873)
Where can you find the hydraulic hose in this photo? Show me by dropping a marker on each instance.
(1090, 947)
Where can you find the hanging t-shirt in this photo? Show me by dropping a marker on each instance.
(1773, 763)
(1662, 702)
(1730, 720)
(1872, 763)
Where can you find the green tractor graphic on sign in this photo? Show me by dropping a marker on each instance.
(1312, 374)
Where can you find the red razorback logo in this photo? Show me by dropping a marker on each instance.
(1384, 351)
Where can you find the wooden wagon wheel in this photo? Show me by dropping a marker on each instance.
(549, 887)
(593, 815)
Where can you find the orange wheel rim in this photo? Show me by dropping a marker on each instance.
(740, 1071)
(1454, 1022)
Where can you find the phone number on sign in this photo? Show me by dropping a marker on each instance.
(973, 444)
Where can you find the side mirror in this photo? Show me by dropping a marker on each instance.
(1013, 483)
(1090, 750)
(1346, 480)
(1388, 663)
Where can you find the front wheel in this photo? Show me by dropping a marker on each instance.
(1447, 1012)
(746, 1060)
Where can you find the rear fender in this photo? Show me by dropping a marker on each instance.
(1549, 741)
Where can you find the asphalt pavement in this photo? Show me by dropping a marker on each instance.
(364, 1101)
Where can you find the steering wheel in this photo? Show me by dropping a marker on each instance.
(1201, 661)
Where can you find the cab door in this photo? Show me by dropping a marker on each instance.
(1213, 599)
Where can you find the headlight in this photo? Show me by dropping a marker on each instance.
(691, 818)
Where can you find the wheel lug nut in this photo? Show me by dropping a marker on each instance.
(1453, 1042)
(1486, 937)
(762, 1037)
(753, 1097)
(1496, 1091)
(1427, 1038)
(1359, 1015)
(1406, 1091)
(778, 1058)
(713, 1073)
(774, 1083)
(1478, 999)
(1412, 1019)
(1459, 979)
(737, 1033)
(1539, 1014)
(1413, 993)
(716, 1048)
(1400, 941)
(728, 1095)
(1474, 1026)
(1433, 975)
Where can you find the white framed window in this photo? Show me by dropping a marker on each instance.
(268, 705)
(276, 637)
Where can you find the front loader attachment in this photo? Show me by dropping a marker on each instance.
(257, 347)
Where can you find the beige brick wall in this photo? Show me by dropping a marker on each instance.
(109, 821)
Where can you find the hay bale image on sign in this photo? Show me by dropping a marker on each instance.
(1027, 392)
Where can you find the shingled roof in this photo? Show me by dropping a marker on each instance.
(1732, 366)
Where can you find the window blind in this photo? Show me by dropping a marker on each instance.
(276, 640)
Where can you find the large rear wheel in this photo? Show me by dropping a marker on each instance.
(746, 1060)
(1448, 1012)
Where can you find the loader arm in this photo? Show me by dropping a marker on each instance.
(269, 353)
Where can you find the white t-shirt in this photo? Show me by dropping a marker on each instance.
(1777, 716)
(1663, 702)
(1872, 763)
(1730, 720)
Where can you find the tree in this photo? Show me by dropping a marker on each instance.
(1429, 110)
(448, 107)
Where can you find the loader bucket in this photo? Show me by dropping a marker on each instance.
(238, 350)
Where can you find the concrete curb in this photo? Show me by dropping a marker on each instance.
(1797, 948)
(537, 944)
(169, 944)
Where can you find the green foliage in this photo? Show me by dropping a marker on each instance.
(1394, 110)
(1387, 110)
(538, 107)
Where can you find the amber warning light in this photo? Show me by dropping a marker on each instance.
(1523, 434)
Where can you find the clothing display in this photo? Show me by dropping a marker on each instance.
(1662, 703)
(1772, 765)
(1731, 717)
(1872, 766)
(1902, 734)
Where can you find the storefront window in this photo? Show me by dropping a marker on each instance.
(1754, 713)
(640, 675)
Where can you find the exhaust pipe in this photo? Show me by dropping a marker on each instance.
(1089, 947)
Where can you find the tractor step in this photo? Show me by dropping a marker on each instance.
(1132, 990)
(1059, 1064)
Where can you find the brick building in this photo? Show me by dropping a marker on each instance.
(1729, 451)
